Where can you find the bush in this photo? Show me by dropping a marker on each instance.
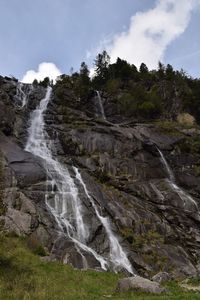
(186, 119)
(127, 104)
(190, 145)
(113, 86)
(149, 110)
(39, 251)
(35, 246)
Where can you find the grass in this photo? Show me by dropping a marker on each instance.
(24, 276)
(173, 128)
(169, 127)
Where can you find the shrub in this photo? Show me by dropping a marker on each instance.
(35, 246)
(147, 109)
(186, 119)
(113, 86)
(127, 104)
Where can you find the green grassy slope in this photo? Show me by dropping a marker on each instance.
(24, 276)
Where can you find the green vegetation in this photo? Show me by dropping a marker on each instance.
(45, 82)
(197, 170)
(190, 145)
(147, 244)
(34, 245)
(194, 281)
(24, 276)
(169, 127)
(140, 93)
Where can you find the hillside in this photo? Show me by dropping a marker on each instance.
(23, 275)
(103, 173)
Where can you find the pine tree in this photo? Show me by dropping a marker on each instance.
(102, 62)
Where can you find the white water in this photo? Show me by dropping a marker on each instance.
(117, 255)
(185, 197)
(22, 95)
(101, 105)
(64, 202)
(167, 167)
(65, 205)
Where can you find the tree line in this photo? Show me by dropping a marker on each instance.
(138, 92)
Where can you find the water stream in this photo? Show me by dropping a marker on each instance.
(22, 93)
(102, 112)
(117, 255)
(101, 108)
(185, 197)
(64, 202)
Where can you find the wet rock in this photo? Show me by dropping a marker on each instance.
(27, 168)
(28, 173)
(66, 251)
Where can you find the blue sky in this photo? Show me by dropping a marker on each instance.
(67, 32)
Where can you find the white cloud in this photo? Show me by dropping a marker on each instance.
(151, 32)
(45, 69)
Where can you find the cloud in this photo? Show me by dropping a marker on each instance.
(45, 69)
(151, 32)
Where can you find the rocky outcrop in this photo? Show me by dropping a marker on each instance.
(162, 277)
(140, 283)
(124, 174)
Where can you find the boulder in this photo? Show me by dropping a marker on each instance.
(18, 221)
(162, 277)
(143, 284)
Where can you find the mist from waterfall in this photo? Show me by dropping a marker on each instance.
(64, 202)
(185, 197)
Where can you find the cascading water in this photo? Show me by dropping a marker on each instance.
(102, 113)
(64, 202)
(117, 255)
(185, 197)
(65, 205)
(21, 94)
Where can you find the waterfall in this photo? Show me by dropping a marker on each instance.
(23, 92)
(117, 255)
(167, 167)
(63, 201)
(185, 197)
(101, 106)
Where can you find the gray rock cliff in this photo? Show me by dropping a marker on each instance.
(125, 176)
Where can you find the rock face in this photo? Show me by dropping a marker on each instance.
(162, 277)
(124, 174)
(137, 282)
